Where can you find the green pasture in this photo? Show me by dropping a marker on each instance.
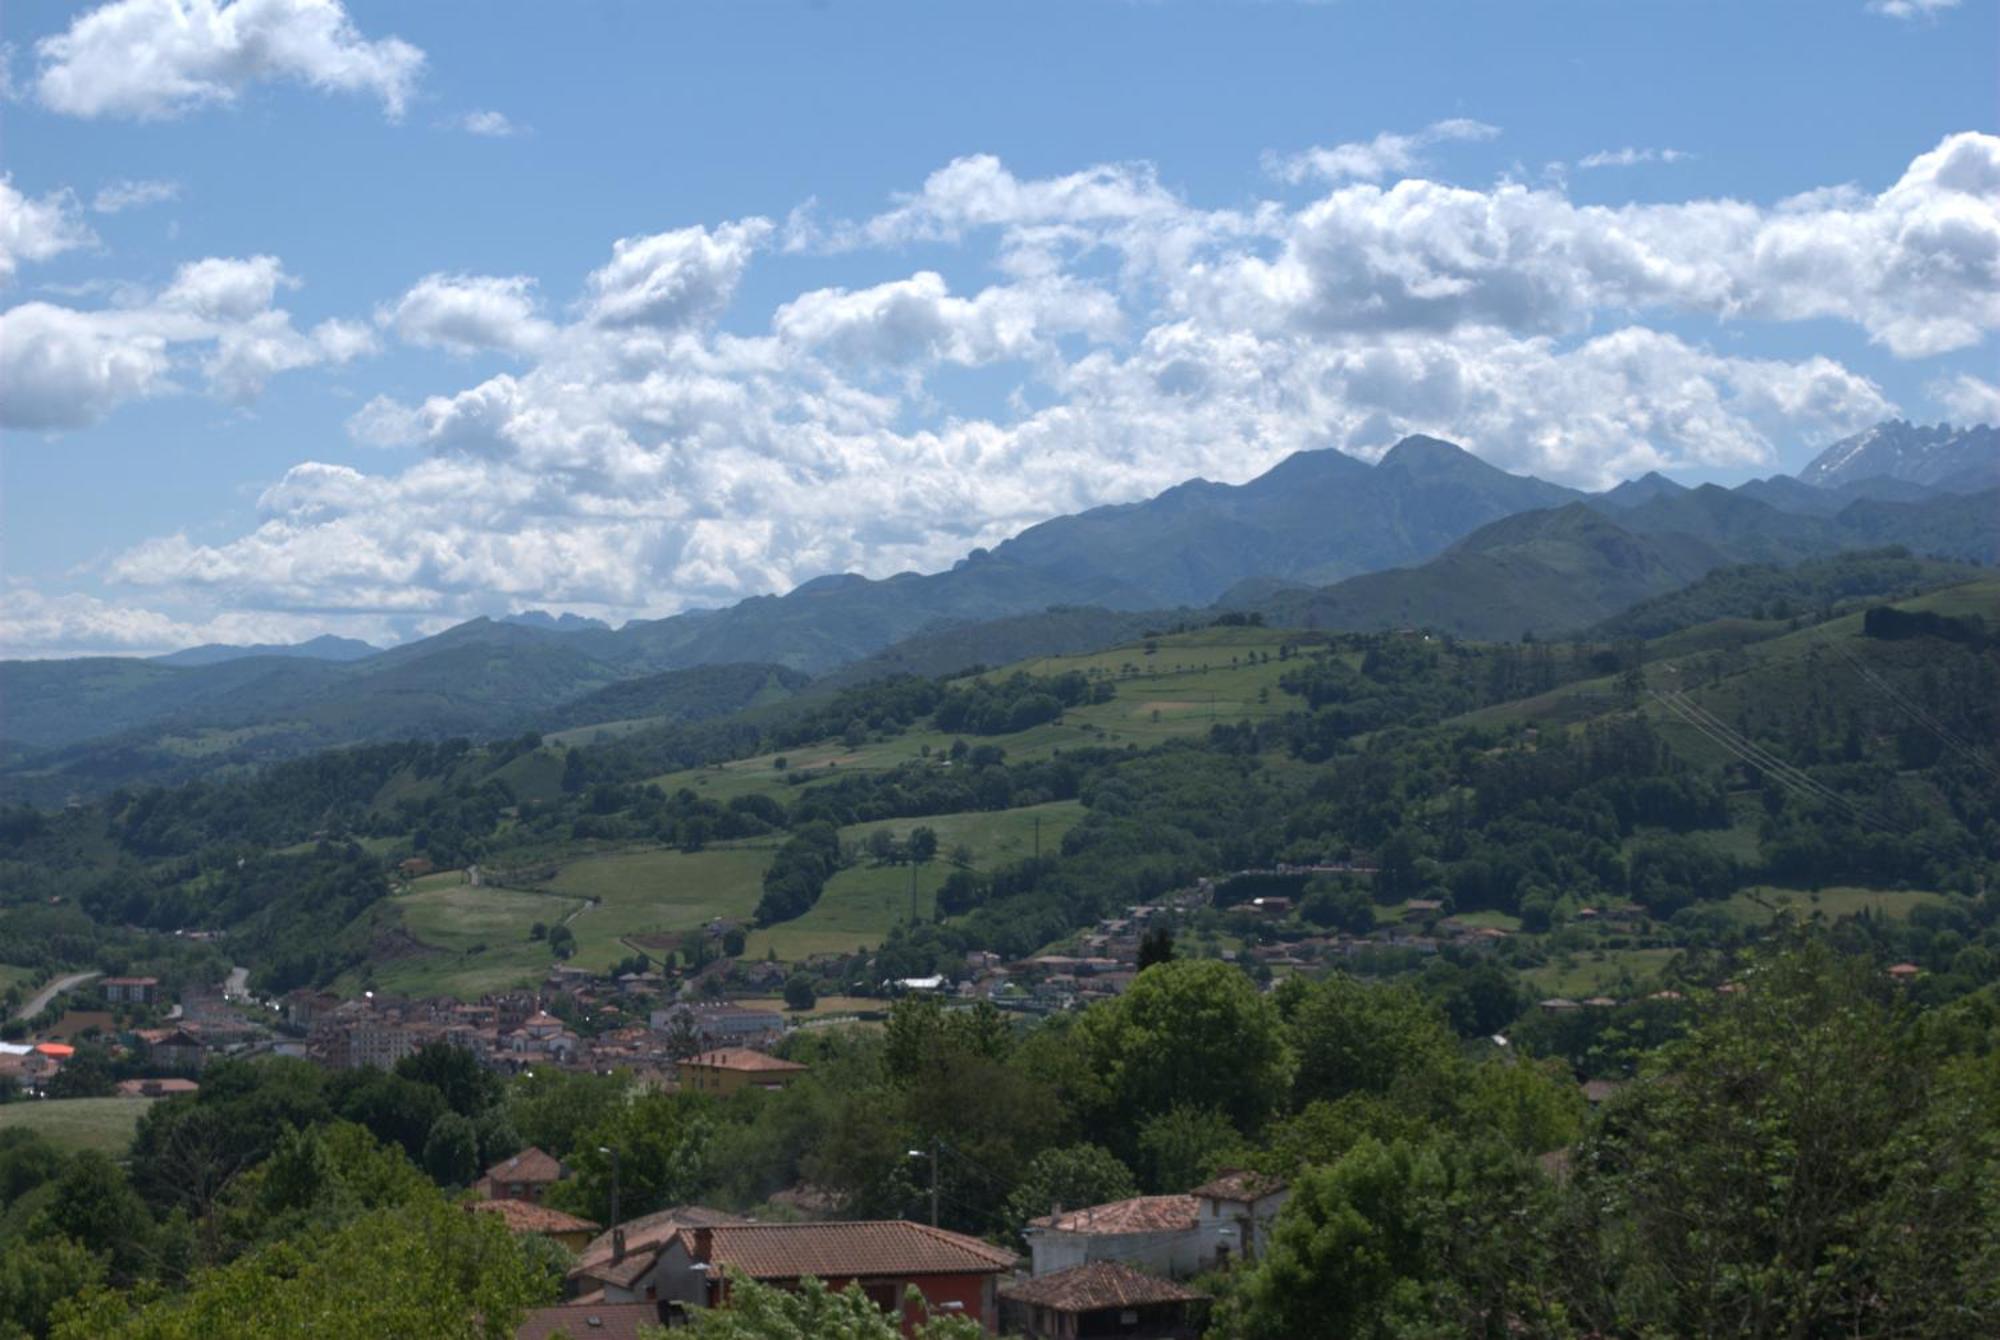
(102, 1124)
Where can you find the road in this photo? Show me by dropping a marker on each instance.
(52, 990)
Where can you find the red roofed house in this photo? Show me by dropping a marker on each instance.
(177, 1050)
(729, 1070)
(1103, 1298)
(1904, 972)
(525, 1176)
(525, 1216)
(621, 1266)
(957, 1275)
(591, 1321)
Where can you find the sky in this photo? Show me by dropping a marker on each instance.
(371, 318)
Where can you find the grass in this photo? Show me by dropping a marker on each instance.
(102, 1124)
(1762, 904)
(862, 902)
(481, 935)
(1597, 972)
(665, 891)
(11, 975)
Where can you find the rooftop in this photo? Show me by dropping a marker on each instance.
(741, 1058)
(1141, 1214)
(648, 1232)
(1097, 1286)
(1240, 1184)
(590, 1321)
(526, 1217)
(846, 1250)
(530, 1165)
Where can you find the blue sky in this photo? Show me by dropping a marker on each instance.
(369, 319)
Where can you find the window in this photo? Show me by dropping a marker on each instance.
(885, 1296)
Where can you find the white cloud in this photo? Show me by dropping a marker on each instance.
(1631, 157)
(63, 367)
(35, 230)
(160, 58)
(1371, 160)
(118, 196)
(1966, 398)
(1910, 9)
(36, 625)
(674, 278)
(640, 460)
(494, 125)
(469, 314)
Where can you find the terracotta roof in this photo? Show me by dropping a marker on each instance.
(590, 1321)
(1240, 1184)
(1600, 1090)
(1141, 1214)
(855, 1249)
(1097, 1286)
(647, 1233)
(530, 1165)
(527, 1217)
(740, 1058)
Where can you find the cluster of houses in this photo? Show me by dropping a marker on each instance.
(1117, 1269)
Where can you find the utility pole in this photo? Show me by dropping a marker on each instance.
(606, 1149)
(936, 1149)
(1038, 837)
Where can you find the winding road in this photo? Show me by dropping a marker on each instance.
(48, 993)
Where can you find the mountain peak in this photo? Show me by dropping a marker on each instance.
(1940, 455)
(1420, 452)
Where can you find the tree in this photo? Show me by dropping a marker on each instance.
(662, 1149)
(1185, 1146)
(734, 941)
(1069, 1177)
(36, 1275)
(1156, 946)
(562, 941)
(451, 1151)
(923, 845)
(468, 1088)
(768, 1312)
(1191, 1033)
(799, 992)
(426, 1268)
(1354, 1038)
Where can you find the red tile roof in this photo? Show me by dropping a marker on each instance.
(530, 1165)
(1240, 1184)
(1141, 1214)
(590, 1321)
(646, 1234)
(857, 1249)
(740, 1058)
(1097, 1286)
(527, 1217)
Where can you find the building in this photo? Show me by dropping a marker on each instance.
(1245, 1201)
(591, 1321)
(1103, 1298)
(1158, 1234)
(622, 1265)
(525, 1216)
(730, 1070)
(131, 990)
(178, 1051)
(524, 1177)
(722, 1025)
(156, 1088)
(956, 1275)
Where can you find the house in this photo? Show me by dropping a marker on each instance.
(730, 1070)
(722, 1025)
(178, 1050)
(956, 1275)
(131, 990)
(1245, 1201)
(591, 1321)
(1103, 1298)
(1160, 1234)
(525, 1176)
(1559, 1005)
(526, 1216)
(622, 1265)
(1599, 1091)
(156, 1088)
(1904, 972)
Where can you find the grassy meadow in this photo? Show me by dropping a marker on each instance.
(102, 1124)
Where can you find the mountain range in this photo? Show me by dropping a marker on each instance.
(1428, 535)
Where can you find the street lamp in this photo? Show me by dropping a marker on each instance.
(936, 1147)
(613, 1154)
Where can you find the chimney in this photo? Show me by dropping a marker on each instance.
(704, 1241)
(617, 1245)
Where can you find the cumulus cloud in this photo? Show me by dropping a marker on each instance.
(34, 624)
(493, 125)
(63, 367)
(1631, 157)
(1910, 9)
(36, 229)
(674, 278)
(119, 196)
(640, 458)
(148, 59)
(467, 314)
(1372, 160)
(1966, 398)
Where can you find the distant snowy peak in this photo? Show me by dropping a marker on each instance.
(1938, 455)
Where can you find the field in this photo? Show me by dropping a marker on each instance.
(11, 975)
(103, 1124)
(481, 935)
(1756, 906)
(824, 1007)
(1597, 972)
(862, 902)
